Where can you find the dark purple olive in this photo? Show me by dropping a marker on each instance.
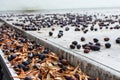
(92, 28)
(95, 29)
(77, 29)
(86, 50)
(6, 52)
(67, 29)
(82, 39)
(60, 35)
(69, 78)
(60, 64)
(95, 47)
(53, 29)
(42, 56)
(95, 40)
(28, 78)
(72, 46)
(78, 46)
(118, 40)
(18, 47)
(107, 45)
(74, 42)
(36, 66)
(64, 62)
(50, 33)
(106, 39)
(92, 79)
(27, 62)
(98, 44)
(30, 55)
(111, 28)
(77, 76)
(30, 48)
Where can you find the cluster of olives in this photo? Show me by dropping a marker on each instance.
(93, 46)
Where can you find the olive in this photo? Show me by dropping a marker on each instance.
(36, 66)
(95, 29)
(64, 62)
(92, 79)
(118, 40)
(95, 47)
(111, 28)
(107, 45)
(6, 52)
(28, 78)
(85, 45)
(86, 50)
(27, 62)
(72, 46)
(30, 55)
(67, 29)
(60, 64)
(53, 29)
(74, 42)
(60, 35)
(77, 29)
(92, 28)
(95, 40)
(69, 78)
(77, 76)
(30, 48)
(12, 50)
(98, 44)
(82, 39)
(50, 33)
(42, 56)
(18, 47)
(11, 57)
(78, 46)
(106, 39)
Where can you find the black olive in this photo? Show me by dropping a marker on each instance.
(60, 35)
(107, 45)
(67, 29)
(6, 52)
(92, 28)
(78, 46)
(86, 50)
(95, 29)
(42, 56)
(72, 46)
(60, 64)
(95, 47)
(106, 39)
(36, 66)
(82, 39)
(30, 48)
(77, 29)
(18, 47)
(28, 78)
(30, 55)
(74, 42)
(69, 78)
(98, 44)
(53, 29)
(77, 76)
(50, 33)
(95, 40)
(118, 40)
(91, 79)
(64, 62)
(27, 62)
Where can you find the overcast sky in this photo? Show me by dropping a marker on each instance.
(56, 4)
